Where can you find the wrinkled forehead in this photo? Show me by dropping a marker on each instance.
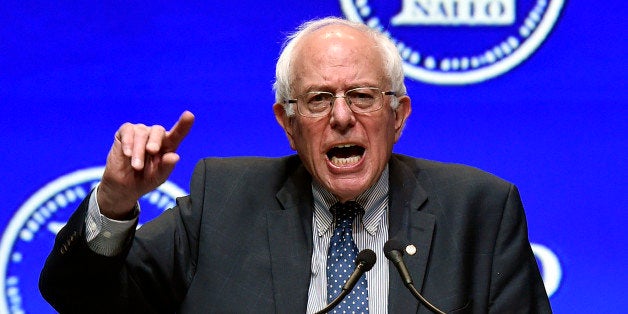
(338, 45)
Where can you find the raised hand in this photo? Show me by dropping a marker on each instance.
(141, 158)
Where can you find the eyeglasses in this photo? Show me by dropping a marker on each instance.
(360, 100)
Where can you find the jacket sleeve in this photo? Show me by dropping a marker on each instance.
(150, 275)
(516, 284)
(73, 276)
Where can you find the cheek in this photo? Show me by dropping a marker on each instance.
(382, 134)
(306, 137)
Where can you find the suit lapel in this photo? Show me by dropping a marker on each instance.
(290, 241)
(409, 224)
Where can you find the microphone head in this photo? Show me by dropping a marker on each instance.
(367, 258)
(400, 246)
(393, 245)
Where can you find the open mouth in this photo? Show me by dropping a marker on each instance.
(344, 155)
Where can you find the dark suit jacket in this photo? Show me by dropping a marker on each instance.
(242, 243)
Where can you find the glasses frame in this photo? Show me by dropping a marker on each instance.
(333, 101)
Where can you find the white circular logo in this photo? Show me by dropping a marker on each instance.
(30, 234)
(454, 42)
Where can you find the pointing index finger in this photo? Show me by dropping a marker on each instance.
(179, 131)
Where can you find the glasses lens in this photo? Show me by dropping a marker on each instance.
(364, 99)
(315, 103)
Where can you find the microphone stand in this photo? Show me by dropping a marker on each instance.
(335, 302)
(419, 297)
(364, 262)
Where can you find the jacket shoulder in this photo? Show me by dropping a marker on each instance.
(442, 174)
(256, 172)
(248, 165)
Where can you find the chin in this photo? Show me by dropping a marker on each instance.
(346, 191)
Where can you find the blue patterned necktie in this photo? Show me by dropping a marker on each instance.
(341, 261)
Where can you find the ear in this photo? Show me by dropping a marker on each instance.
(401, 115)
(285, 122)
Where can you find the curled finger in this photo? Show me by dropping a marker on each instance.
(126, 135)
(140, 138)
(155, 140)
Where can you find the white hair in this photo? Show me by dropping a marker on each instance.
(283, 71)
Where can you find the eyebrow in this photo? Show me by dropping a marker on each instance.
(330, 89)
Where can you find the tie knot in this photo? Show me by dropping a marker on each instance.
(346, 211)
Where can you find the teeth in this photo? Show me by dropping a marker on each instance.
(343, 146)
(345, 161)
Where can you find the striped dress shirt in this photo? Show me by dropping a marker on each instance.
(369, 232)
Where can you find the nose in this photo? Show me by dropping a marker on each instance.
(342, 118)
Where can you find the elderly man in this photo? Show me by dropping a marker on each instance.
(269, 235)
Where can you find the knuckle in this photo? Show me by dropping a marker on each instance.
(141, 130)
(158, 128)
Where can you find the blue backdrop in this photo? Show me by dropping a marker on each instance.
(553, 121)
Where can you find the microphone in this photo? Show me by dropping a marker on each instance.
(363, 263)
(393, 250)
